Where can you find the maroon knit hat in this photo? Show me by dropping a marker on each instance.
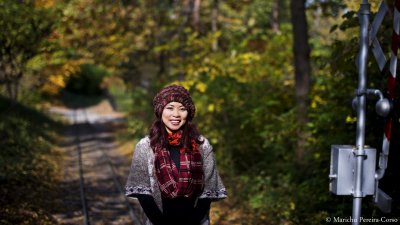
(173, 93)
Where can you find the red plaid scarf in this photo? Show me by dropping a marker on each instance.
(189, 180)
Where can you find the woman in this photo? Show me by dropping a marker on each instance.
(173, 172)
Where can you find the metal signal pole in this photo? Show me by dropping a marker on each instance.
(353, 168)
(358, 194)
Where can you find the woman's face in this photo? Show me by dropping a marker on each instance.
(174, 116)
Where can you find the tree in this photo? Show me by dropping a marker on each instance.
(24, 30)
(301, 50)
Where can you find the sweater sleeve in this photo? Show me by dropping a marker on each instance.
(214, 189)
(202, 209)
(150, 209)
(138, 182)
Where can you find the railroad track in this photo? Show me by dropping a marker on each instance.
(93, 192)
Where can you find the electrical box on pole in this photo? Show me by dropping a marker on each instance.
(343, 162)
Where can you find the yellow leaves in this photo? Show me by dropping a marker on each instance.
(44, 3)
(355, 5)
(54, 84)
(216, 106)
(201, 87)
(216, 35)
(140, 41)
(292, 206)
(211, 107)
(251, 22)
(317, 100)
(186, 84)
(250, 57)
(242, 66)
(112, 38)
(214, 140)
(214, 73)
(56, 81)
(288, 83)
(150, 23)
(350, 119)
(71, 67)
(195, 72)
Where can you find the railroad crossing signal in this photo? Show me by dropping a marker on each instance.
(353, 167)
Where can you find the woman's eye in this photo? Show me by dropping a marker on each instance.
(183, 109)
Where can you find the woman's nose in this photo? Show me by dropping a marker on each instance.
(175, 112)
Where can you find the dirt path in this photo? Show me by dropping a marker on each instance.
(94, 171)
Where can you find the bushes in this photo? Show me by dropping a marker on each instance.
(27, 165)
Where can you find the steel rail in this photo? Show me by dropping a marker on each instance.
(85, 211)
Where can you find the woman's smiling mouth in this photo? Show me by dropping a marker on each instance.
(175, 122)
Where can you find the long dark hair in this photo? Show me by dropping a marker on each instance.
(159, 134)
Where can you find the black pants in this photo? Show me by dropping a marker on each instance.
(180, 211)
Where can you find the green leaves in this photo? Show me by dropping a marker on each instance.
(24, 29)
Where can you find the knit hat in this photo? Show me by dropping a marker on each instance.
(173, 93)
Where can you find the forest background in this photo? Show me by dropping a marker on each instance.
(273, 91)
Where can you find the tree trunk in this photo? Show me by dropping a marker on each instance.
(317, 15)
(302, 72)
(214, 22)
(187, 10)
(9, 90)
(196, 15)
(16, 90)
(12, 90)
(275, 16)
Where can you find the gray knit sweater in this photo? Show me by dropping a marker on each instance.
(143, 181)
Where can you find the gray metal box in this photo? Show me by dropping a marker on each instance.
(342, 170)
